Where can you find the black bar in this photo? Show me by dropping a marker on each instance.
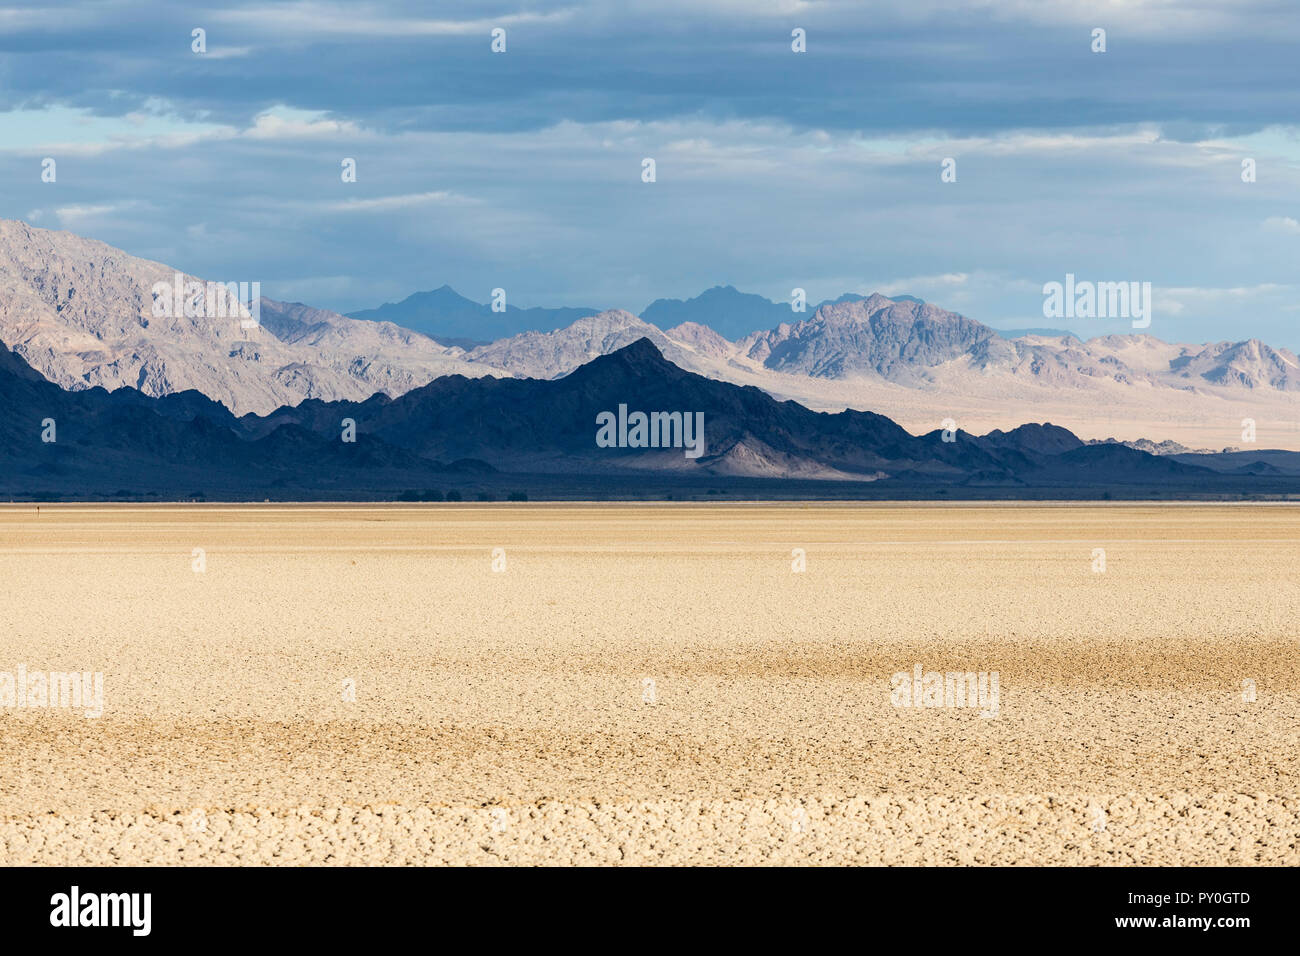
(954, 906)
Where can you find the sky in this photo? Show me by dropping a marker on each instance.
(774, 169)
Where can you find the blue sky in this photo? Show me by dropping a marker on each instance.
(821, 170)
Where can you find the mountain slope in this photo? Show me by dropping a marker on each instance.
(82, 314)
(1249, 364)
(552, 354)
(875, 335)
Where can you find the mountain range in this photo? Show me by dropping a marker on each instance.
(82, 314)
(486, 436)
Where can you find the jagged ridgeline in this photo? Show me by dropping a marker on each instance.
(83, 313)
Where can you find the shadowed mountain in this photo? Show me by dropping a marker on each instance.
(95, 443)
(724, 309)
(1047, 439)
(1114, 462)
(1266, 461)
(449, 318)
(466, 432)
(550, 426)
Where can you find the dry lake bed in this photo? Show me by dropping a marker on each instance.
(647, 684)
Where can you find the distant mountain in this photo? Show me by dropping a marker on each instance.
(1249, 364)
(728, 312)
(920, 363)
(1162, 447)
(733, 314)
(463, 431)
(701, 339)
(554, 354)
(82, 314)
(873, 336)
(901, 340)
(451, 319)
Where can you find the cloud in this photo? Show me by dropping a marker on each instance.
(389, 203)
(305, 19)
(959, 68)
(914, 284)
(284, 123)
(79, 215)
(1184, 301)
(228, 52)
(775, 169)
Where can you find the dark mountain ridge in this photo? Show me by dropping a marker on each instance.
(486, 431)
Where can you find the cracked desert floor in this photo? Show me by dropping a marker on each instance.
(651, 684)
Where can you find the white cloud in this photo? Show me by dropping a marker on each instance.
(73, 215)
(910, 286)
(228, 52)
(1262, 299)
(381, 203)
(283, 123)
(367, 19)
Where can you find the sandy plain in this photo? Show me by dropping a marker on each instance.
(1148, 714)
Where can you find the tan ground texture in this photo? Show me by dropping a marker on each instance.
(1148, 714)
